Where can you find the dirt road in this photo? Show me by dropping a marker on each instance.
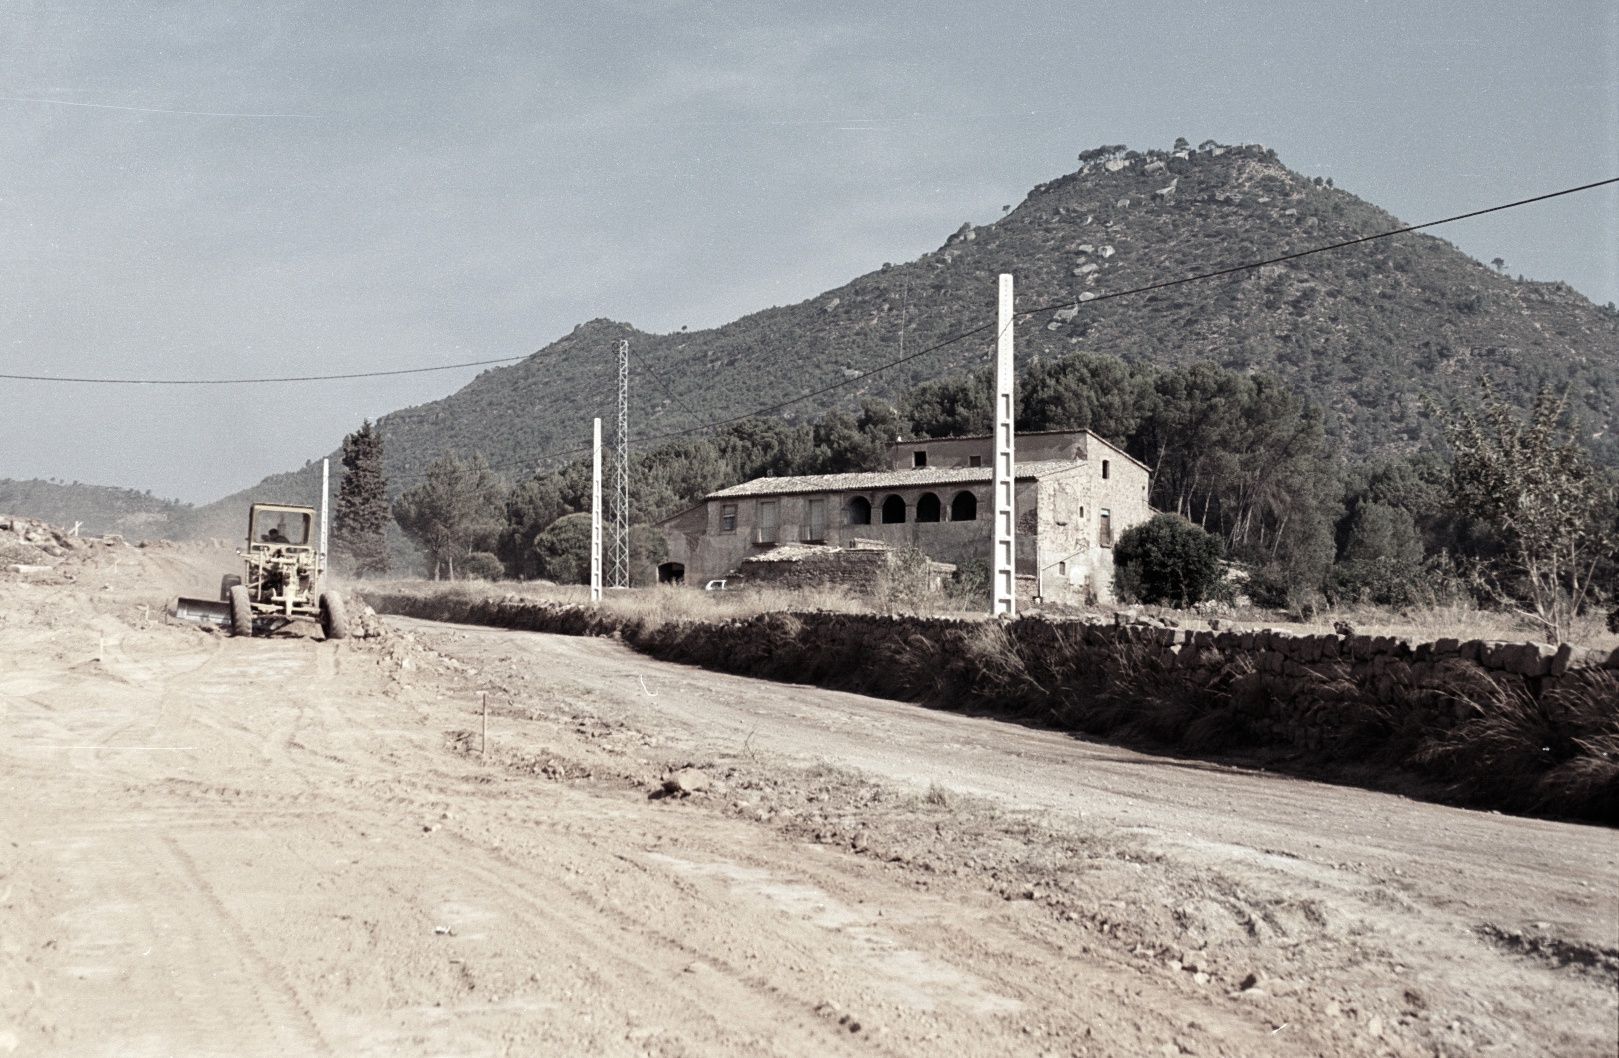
(289, 847)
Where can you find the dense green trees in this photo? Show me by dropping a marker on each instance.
(361, 511)
(1086, 391)
(1237, 457)
(954, 406)
(562, 552)
(454, 512)
(1381, 560)
(530, 508)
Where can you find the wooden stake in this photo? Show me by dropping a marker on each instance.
(483, 748)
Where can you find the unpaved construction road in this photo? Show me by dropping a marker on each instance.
(290, 847)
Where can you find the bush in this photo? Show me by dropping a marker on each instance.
(905, 585)
(482, 565)
(563, 550)
(969, 584)
(1168, 560)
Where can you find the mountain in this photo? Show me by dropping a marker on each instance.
(1365, 332)
(100, 508)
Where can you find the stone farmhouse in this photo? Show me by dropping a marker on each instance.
(1074, 494)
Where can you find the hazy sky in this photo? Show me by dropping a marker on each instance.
(220, 188)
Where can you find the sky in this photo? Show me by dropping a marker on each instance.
(218, 189)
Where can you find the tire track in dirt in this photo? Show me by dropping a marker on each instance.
(737, 1008)
(203, 989)
(267, 983)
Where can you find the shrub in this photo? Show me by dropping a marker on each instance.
(969, 584)
(1168, 560)
(563, 550)
(482, 565)
(905, 584)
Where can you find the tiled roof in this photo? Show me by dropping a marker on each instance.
(1092, 434)
(889, 479)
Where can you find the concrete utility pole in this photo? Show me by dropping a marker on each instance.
(620, 576)
(1003, 559)
(596, 511)
(325, 502)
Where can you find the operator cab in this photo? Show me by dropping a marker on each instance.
(273, 525)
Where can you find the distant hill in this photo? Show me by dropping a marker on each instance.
(101, 508)
(1363, 332)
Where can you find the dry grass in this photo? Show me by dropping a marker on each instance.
(653, 607)
(1445, 622)
(1558, 751)
(663, 604)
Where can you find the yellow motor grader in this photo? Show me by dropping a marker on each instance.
(284, 582)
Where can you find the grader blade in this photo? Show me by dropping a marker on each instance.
(203, 611)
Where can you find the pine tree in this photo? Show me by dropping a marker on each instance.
(362, 503)
(456, 511)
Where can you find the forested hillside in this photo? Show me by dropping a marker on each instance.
(1361, 333)
(100, 508)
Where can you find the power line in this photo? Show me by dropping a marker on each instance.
(687, 408)
(1233, 269)
(259, 381)
(1331, 246)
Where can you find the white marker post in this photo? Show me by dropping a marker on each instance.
(325, 503)
(1003, 559)
(596, 511)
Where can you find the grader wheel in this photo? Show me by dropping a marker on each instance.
(241, 611)
(333, 620)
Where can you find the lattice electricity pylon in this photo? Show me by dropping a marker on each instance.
(619, 552)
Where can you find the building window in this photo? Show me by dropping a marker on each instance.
(815, 519)
(919, 458)
(964, 508)
(1104, 529)
(1104, 470)
(975, 461)
(857, 512)
(928, 508)
(769, 519)
(727, 517)
(893, 510)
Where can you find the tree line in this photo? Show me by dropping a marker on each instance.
(1515, 511)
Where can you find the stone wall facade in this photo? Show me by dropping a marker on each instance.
(1060, 542)
(701, 540)
(861, 569)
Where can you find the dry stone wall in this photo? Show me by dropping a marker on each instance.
(1513, 726)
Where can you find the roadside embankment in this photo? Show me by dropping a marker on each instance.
(1512, 726)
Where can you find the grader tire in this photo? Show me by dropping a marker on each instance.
(226, 583)
(241, 611)
(333, 620)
